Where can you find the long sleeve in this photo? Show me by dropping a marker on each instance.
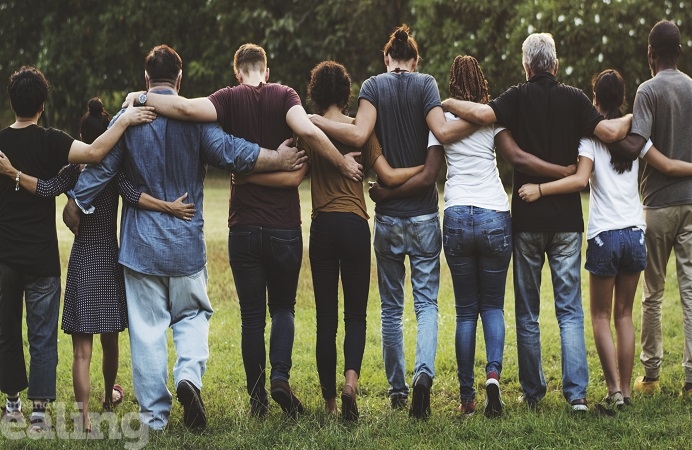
(62, 182)
(227, 152)
(127, 190)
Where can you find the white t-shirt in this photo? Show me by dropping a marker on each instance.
(472, 175)
(615, 202)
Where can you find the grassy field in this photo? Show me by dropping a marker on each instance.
(659, 422)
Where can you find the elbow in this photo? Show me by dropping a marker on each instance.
(581, 184)
(185, 110)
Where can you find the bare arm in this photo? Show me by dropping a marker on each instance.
(353, 134)
(53, 187)
(393, 177)
(472, 112)
(298, 120)
(94, 152)
(448, 131)
(176, 208)
(284, 158)
(526, 162)
(417, 183)
(629, 148)
(573, 183)
(26, 181)
(612, 130)
(667, 166)
(199, 109)
(272, 179)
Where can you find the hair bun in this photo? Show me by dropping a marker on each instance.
(401, 35)
(95, 107)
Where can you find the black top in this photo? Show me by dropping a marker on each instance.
(28, 239)
(547, 119)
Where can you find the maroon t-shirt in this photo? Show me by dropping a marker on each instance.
(258, 114)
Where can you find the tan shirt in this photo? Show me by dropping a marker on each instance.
(331, 192)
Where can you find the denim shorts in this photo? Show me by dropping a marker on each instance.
(614, 251)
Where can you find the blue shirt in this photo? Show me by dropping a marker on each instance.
(165, 159)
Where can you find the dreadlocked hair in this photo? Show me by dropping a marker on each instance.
(466, 80)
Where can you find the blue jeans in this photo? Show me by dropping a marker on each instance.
(42, 295)
(564, 258)
(418, 237)
(155, 303)
(266, 263)
(478, 248)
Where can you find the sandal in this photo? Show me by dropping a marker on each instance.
(108, 406)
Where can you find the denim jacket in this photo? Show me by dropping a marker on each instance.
(165, 158)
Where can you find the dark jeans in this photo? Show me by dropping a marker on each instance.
(42, 296)
(266, 263)
(339, 242)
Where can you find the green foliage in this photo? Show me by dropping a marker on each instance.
(89, 48)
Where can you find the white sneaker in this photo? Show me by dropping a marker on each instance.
(493, 398)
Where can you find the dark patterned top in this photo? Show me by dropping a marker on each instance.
(95, 291)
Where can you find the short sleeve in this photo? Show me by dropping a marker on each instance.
(590, 117)
(586, 148)
(497, 129)
(368, 90)
(60, 143)
(431, 94)
(292, 99)
(372, 150)
(220, 100)
(505, 105)
(643, 113)
(646, 148)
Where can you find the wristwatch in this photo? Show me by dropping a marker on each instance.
(142, 99)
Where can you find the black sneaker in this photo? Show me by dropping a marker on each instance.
(398, 401)
(194, 416)
(420, 405)
(284, 396)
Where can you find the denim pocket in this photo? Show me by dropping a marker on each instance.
(638, 247)
(598, 248)
(566, 244)
(498, 240)
(427, 236)
(287, 252)
(389, 235)
(453, 241)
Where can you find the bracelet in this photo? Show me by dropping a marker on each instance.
(16, 180)
(540, 193)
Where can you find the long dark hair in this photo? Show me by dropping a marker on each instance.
(609, 93)
(95, 121)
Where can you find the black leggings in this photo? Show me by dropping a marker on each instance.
(339, 241)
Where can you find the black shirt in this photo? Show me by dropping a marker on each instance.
(28, 239)
(547, 119)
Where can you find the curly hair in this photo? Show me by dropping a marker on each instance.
(401, 45)
(466, 80)
(329, 85)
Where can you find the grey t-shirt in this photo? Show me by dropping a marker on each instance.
(663, 113)
(402, 102)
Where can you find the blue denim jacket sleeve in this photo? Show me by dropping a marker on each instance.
(94, 179)
(227, 152)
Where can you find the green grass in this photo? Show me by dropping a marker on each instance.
(661, 421)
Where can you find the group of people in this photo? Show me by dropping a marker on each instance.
(402, 130)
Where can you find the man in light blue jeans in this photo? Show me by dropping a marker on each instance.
(164, 257)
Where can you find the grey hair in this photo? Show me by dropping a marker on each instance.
(538, 52)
